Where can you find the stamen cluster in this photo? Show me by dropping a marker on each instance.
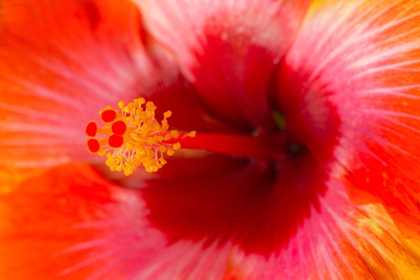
(133, 137)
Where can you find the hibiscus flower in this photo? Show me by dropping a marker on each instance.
(304, 164)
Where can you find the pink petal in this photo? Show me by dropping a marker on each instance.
(359, 63)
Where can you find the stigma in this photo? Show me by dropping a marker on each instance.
(131, 137)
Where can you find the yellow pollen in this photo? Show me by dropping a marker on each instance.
(132, 137)
(192, 133)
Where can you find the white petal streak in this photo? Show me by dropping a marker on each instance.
(19, 111)
(193, 18)
(348, 38)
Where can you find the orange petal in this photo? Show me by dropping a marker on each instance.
(61, 61)
(359, 242)
(47, 215)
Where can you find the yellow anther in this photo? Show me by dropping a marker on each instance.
(192, 133)
(165, 125)
(167, 114)
(158, 138)
(132, 137)
(174, 134)
(170, 152)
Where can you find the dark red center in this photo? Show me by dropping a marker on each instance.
(260, 194)
(270, 143)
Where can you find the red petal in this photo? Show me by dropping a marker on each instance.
(70, 223)
(228, 50)
(248, 206)
(189, 112)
